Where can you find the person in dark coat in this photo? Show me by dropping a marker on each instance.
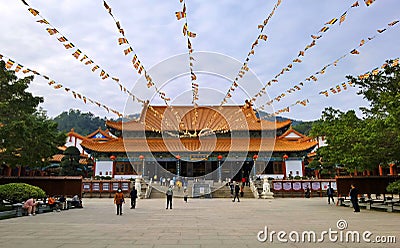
(354, 198)
(169, 197)
(119, 200)
(133, 197)
(330, 193)
(308, 192)
(237, 190)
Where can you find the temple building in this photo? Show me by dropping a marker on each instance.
(207, 142)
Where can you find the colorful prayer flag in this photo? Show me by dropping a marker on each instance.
(191, 34)
(52, 31)
(95, 68)
(331, 22)
(122, 41)
(324, 29)
(354, 51)
(43, 21)
(107, 7)
(9, 64)
(127, 51)
(180, 14)
(33, 11)
(77, 53)
(355, 4)
(393, 23)
(343, 17)
(18, 68)
(68, 46)
(185, 29)
(369, 2)
(324, 93)
(262, 37)
(62, 39)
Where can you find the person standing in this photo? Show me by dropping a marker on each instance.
(354, 198)
(133, 197)
(119, 200)
(185, 194)
(330, 193)
(169, 197)
(237, 190)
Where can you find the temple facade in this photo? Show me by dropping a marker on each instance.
(208, 142)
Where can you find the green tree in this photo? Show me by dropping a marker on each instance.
(382, 89)
(27, 136)
(82, 123)
(70, 165)
(365, 143)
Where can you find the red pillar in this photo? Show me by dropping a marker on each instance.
(380, 171)
(355, 172)
(391, 169)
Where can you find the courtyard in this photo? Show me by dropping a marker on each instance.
(200, 223)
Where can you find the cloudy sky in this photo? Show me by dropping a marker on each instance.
(225, 32)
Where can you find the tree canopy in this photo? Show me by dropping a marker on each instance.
(364, 143)
(82, 123)
(27, 136)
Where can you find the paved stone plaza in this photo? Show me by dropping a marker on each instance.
(199, 223)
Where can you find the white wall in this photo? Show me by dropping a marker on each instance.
(105, 167)
(295, 166)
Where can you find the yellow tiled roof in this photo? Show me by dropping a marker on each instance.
(182, 118)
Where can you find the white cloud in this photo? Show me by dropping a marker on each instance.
(228, 27)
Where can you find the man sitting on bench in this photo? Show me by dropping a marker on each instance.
(53, 204)
(30, 206)
(76, 202)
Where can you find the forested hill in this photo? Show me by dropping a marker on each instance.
(82, 123)
(86, 123)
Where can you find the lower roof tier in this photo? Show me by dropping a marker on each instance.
(121, 145)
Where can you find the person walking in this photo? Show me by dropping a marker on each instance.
(133, 197)
(119, 200)
(237, 190)
(330, 193)
(169, 197)
(354, 198)
(308, 192)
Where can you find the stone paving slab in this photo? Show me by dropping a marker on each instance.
(199, 223)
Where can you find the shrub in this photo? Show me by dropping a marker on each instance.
(18, 192)
(394, 187)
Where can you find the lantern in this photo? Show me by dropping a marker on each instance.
(219, 157)
(255, 157)
(285, 157)
(141, 157)
(112, 157)
(178, 157)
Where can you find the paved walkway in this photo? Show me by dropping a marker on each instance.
(199, 223)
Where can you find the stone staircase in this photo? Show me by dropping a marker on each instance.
(225, 192)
